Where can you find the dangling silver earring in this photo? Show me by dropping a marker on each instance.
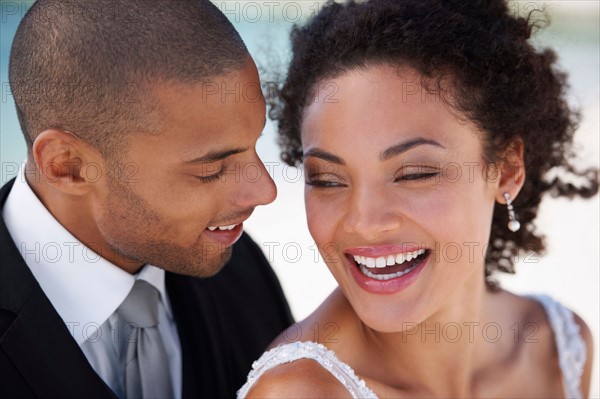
(513, 224)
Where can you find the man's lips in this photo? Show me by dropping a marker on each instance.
(225, 235)
(222, 228)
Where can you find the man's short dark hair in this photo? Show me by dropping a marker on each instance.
(85, 66)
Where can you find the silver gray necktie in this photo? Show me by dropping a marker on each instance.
(146, 363)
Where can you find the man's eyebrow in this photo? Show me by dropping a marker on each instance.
(405, 146)
(319, 153)
(214, 156)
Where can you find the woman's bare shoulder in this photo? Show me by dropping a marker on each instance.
(328, 324)
(303, 378)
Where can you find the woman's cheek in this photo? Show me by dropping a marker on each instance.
(322, 218)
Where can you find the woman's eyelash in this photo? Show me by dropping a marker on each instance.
(323, 184)
(408, 177)
(212, 178)
(417, 176)
(323, 180)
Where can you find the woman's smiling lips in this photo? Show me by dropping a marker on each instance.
(375, 251)
(386, 269)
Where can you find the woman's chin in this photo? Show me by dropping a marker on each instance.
(388, 316)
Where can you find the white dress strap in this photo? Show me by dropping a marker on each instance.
(307, 350)
(571, 347)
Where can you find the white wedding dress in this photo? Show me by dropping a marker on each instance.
(570, 345)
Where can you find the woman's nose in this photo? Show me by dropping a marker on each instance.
(371, 212)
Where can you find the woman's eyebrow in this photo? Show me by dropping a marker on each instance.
(405, 146)
(384, 156)
(319, 153)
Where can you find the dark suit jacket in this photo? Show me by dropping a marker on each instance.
(224, 324)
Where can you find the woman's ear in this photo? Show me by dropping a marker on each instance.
(62, 160)
(512, 171)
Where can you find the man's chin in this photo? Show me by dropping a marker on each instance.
(202, 266)
(187, 264)
(211, 270)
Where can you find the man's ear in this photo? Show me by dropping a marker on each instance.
(64, 161)
(512, 171)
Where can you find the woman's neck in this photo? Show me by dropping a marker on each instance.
(444, 354)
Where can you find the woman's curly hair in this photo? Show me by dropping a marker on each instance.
(510, 89)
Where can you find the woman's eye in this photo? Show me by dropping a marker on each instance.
(416, 173)
(212, 178)
(417, 176)
(323, 182)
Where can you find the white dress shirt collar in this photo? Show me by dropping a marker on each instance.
(83, 287)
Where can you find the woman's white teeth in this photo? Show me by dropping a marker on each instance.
(384, 277)
(389, 260)
(213, 228)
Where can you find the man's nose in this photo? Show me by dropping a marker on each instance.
(256, 186)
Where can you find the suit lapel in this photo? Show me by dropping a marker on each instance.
(204, 367)
(192, 373)
(46, 355)
(37, 341)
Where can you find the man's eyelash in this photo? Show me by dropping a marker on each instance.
(212, 178)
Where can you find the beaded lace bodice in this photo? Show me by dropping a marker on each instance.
(308, 350)
(570, 345)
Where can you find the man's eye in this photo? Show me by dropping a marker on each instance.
(212, 178)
